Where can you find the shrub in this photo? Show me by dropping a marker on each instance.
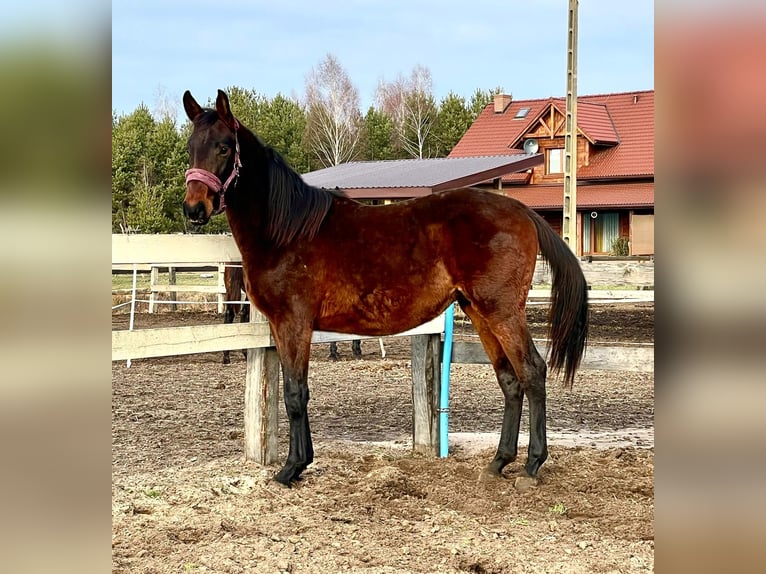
(620, 247)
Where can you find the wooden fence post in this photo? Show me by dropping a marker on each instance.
(221, 287)
(426, 384)
(153, 281)
(261, 401)
(173, 294)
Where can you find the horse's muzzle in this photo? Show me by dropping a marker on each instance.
(196, 213)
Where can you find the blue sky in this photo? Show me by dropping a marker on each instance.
(162, 47)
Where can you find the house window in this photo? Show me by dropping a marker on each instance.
(555, 161)
(522, 113)
(600, 232)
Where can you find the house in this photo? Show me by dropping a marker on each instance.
(615, 163)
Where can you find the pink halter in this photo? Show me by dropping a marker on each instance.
(212, 181)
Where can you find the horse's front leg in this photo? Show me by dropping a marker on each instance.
(294, 348)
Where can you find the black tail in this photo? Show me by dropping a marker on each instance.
(568, 317)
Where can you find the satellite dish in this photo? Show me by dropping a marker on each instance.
(530, 146)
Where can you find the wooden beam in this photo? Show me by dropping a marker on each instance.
(631, 359)
(146, 343)
(435, 325)
(155, 274)
(214, 289)
(168, 341)
(172, 281)
(426, 383)
(221, 286)
(261, 399)
(173, 249)
(594, 295)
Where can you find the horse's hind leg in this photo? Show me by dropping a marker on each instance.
(531, 371)
(509, 436)
(536, 370)
(228, 317)
(520, 369)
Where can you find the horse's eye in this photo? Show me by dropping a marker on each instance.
(224, 149)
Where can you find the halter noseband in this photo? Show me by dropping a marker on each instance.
(212, 181)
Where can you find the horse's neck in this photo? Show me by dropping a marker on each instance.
(246, 218)
(243, 210)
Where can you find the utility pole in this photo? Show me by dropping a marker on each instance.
(570, 139)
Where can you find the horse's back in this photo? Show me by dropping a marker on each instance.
(386, 269)
(463, 225)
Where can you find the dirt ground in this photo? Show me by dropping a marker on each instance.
(184, 500)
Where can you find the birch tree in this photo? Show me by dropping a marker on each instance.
(409, 102)
(334, 122)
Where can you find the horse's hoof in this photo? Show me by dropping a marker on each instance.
(525, 483)
(489, 475)
(288, 476)
(282, 478)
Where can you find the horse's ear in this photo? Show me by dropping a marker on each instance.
(223, 109)
(193, 109)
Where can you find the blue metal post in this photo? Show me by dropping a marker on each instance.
(444, 392)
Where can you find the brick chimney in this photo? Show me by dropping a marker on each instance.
(502, 101)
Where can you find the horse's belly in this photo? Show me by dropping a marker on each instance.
(381, 313)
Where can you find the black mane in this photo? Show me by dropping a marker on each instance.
(296, 209)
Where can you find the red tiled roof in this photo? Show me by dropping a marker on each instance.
(588, 196)
(595, 123)
(625, 119)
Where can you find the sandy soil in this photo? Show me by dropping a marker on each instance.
(184, 500)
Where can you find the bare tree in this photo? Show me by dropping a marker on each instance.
(410, 104)
(334, 123)
(165, 107)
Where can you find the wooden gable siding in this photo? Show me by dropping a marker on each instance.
(549, 131)
(550, 125)
(539, 172)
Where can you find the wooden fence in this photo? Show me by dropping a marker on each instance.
(261, 387)
(155, 287)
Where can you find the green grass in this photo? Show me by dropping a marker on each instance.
(558, 508)
(182, 278)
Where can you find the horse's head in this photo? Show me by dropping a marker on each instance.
(214, 157)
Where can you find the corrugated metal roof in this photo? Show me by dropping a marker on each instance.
(417, 177)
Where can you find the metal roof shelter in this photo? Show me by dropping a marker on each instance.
(405, 178)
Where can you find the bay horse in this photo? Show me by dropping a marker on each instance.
(401, 265)
(234, 281)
